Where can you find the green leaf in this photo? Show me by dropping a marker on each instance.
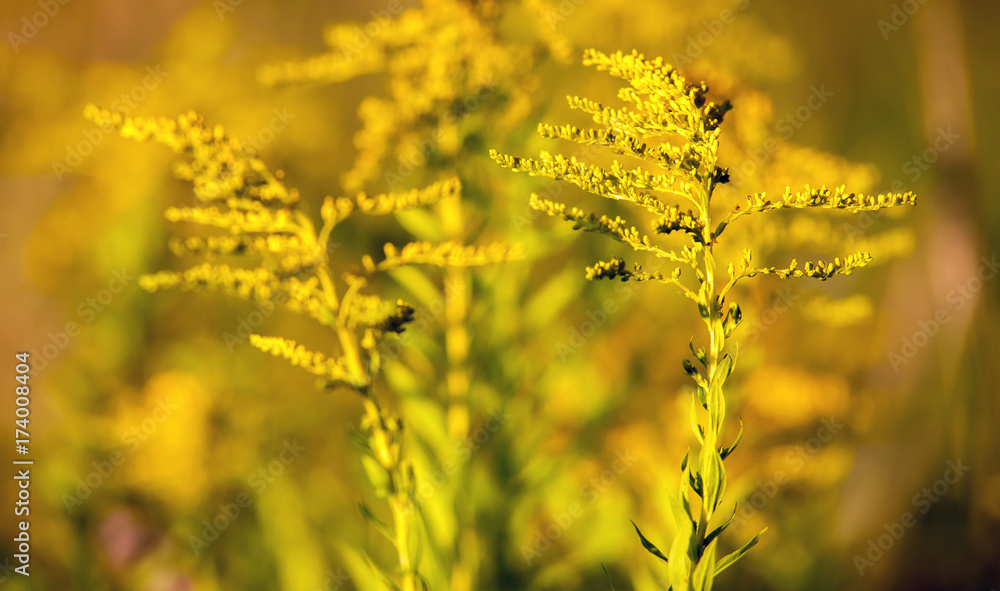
(683, 496)
(373, 519)
(725, 451)
(726, 367)
(716, 400)
(703, 310)
(608, 575)
(733, 318)
(647, 545)
(697, 484)
(704, 573)
(679, 561)
(699, 353)
(554, 296)
(362, 570)
(677, 510)
(418, 284)
(424, 583)
(376, 475)
(695, 425)
(422, 224)
(713, 474)
(715, 532)
(729, 559)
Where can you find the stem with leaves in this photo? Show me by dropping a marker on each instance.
(661, 103)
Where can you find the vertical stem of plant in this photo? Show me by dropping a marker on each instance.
(457, 348)
(456, 294)
(716, 343)
(400, 510)
(456, 285)
(387, 453)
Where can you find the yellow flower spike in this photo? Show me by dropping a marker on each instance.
(298, 355)
(448, 254)
(387, 203)
(660, 102)
(445, 61)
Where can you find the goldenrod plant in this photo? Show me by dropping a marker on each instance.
(258, 219)
(446, 59)
(670, 126)
(459, 75)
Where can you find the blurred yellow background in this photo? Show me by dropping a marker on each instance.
(154, 422)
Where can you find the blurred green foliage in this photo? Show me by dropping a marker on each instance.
(590, 403)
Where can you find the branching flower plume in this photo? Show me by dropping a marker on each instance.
(669, 125)
(256, 219)
(445, 60)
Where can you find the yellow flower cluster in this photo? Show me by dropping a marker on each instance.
(474, 65)
(334, 370)
(821, 270)
(663, 100)
(220, 169)
(261, 223)
(617, 269)
(337, 209)
(660, 102)
(446, 254)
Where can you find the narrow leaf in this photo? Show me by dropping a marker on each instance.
(725, 451)
(647, 545)
(699, 353)
(373, 519)
(715, 532)
(608, 575)
(703, 576)
(679, 511)
(713, 474)
(728, 560)
(679, 564)
(695, 425)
